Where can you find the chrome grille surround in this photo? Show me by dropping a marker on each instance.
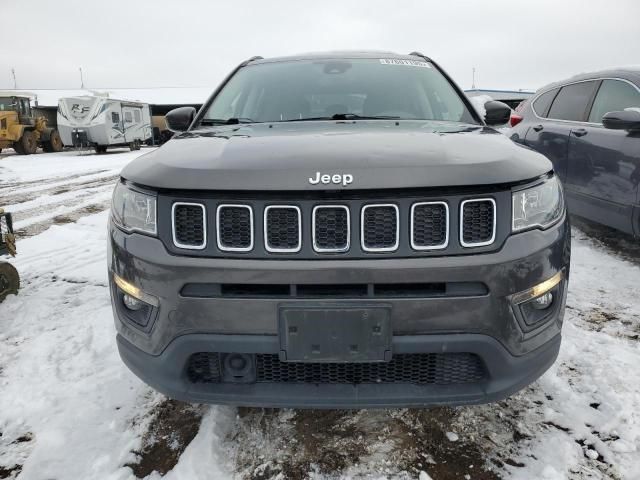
(363, 226)
(445, 244)
(226, 248)
(267, 247)
(462, 229)
(176, 242)
(313, 229)
(331, 226)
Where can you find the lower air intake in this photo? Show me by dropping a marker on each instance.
(416, 368)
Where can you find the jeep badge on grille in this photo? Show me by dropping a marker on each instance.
(327, 178)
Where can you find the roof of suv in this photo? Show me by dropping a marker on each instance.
(340, 54)
(631, 73)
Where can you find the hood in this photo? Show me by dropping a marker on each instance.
(340, 154)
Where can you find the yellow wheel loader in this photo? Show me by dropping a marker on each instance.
(22, 129)
(9, 278)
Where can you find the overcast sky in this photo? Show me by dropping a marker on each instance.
(151, 43)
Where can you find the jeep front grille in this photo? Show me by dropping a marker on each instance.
(305, 227)
(477, 222)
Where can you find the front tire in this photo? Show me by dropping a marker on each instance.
(54, 144)
(9, 280)
(101, 149)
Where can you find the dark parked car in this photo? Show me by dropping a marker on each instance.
(589, 127)
(339, 230)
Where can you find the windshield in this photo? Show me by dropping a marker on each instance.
(337, 89)
(7, 103)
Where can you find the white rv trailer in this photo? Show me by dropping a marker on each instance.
(101, 122)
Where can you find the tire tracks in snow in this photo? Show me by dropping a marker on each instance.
(64, 202)
(15, 199)
(68, 217)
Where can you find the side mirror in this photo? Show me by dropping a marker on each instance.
(496, 113)
(179, 119)
(624, 120)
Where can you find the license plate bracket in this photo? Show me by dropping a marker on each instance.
(340, 333)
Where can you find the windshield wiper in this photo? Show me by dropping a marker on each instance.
(344, 116)
(228, 121)
(354, 116)
(337, 116)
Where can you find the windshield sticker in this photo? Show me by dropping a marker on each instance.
(406, 63)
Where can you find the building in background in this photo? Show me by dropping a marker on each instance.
(510, 97)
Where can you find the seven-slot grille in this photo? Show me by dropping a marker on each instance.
(282, 228)
(380, 228)
(477, 222)
(331, 228)
(234, 228)
(327, 228)
(189, 225)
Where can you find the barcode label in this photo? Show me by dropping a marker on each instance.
(403, 62)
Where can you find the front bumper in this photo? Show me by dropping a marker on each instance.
(506, 374)
(484, 325)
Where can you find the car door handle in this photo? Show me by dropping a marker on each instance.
(580, 132)
(537, 128)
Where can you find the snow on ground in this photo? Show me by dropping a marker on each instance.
(69, 409)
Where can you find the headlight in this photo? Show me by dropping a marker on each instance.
(540, 206)
(132, 210)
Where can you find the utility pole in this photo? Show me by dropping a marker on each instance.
(15, 83)
(81, 79)
(473, 79)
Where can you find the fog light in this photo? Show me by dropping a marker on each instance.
(132, 303)
(543, 301)
(238, 368)
(133, 291)
(536, 306)
(538, 290)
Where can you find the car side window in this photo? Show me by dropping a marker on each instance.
(542, 103)
(115, 117)
(613, 96)
(571, 102)
(128, 118)
(136, 116)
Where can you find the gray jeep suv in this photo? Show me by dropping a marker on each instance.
(338, 230)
